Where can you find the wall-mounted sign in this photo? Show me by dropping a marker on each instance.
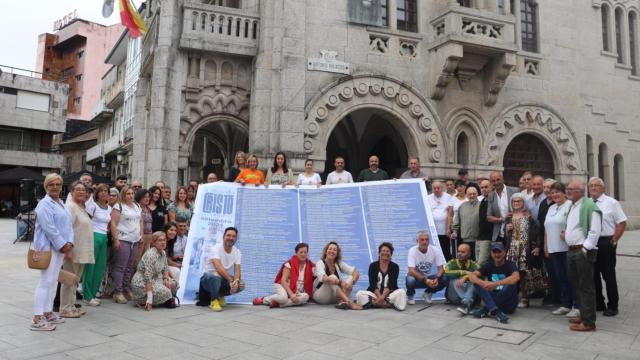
(328, 63)
(60, 23)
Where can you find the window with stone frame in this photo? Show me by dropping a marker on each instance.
(529, 25)
(407, 14)
(604, 11)
(227, 3)
(619, 43)
(384, 12)
(633, 37)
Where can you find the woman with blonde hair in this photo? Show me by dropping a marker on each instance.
(251, 175)
(53, 232)
(181, 209)
(334, 279)
(152, 283)
(93, 273)
(240, 161)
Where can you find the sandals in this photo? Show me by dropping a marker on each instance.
(343, 305)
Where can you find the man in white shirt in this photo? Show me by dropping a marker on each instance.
(441, 205)
(499, 205)
(340, 175)
(421, 260)
(180, 245)
(584, 224)
(526, 178)
(221, 275)
(614, 222)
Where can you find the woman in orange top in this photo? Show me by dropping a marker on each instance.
(251, 175)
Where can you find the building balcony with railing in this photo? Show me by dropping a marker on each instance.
(114, 95)
(220, 29)
(30, 156)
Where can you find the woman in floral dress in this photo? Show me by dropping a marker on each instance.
(152, 283)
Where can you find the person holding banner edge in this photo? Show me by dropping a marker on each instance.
(217, 280)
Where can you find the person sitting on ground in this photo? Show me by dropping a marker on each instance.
(251, 175)
(496, 282)
(383, 289)
(460, 290)
(221, 275)
(309, 177)
(152, 283)
(421, 260)
(294, 282)
(334, 279)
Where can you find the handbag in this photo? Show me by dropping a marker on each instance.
(38, 260)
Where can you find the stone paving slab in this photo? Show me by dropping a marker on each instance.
(114, 331)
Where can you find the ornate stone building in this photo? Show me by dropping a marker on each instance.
(546, 85)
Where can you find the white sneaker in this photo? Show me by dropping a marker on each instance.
(561, 311)
(92, 302)
(427, 298)
(410, 300)
(574, 313)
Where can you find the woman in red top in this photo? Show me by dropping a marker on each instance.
(294, 283)
(251, 175)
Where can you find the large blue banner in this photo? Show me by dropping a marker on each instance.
(271, 221)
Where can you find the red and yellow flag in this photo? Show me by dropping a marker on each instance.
(130, 18)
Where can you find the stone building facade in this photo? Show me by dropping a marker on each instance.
(477, 84)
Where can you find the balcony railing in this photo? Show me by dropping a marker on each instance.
(114, 96)
(28, 148)
(112, 144)
(94, 152)
(220, 29)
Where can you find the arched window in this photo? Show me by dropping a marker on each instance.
(618, 177)
(603, 164)
(462, 149)
(590, 156)
(619, 43)
(529, 25)
(633, 37)
(604, 11)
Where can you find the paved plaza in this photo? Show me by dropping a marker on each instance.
(114, 331)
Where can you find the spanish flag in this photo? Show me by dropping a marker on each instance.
(130, 18)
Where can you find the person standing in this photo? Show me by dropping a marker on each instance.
(373, 172)
(556, 250)
(466, 226)
(584, 226)
(159, 214)
(240, 164)
(499, 206)
(121, 181)
(552, 297)
(212, 177)
(414, 171)
(339, 175)
(485, 228)
(279, 174)
(143, 198)
(53, 232)
(526, 189)
(251, 174)
(127, 228)
(442, 212)
(421, 261)
(93, 273)
(309, 177)
(181, 209)
(82, 249)
(614, 222)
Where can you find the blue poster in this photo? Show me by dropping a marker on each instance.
(271, 221)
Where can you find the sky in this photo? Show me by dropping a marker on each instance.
(22, 21)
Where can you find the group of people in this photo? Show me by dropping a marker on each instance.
(498, 247)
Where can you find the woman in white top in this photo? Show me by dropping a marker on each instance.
(555, 248)
(308, 177)
(334, 279)
(93, 273)
(126, 232)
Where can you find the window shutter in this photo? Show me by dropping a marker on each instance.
(365, 12)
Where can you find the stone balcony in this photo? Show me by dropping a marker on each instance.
(114, 96)
(112, 144)
(468, 42)
(16, 155)
(219, 29)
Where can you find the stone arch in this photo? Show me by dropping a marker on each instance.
(471, 123)
(540, 120)
(413, 116)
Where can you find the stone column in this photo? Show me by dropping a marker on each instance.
(626, 54)
(392, 14)
(507, 7)
(278, 96)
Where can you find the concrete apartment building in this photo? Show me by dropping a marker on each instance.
(546, 85)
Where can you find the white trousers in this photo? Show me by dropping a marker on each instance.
(397, 298)
(175, 272)
(282, 298)
(327, 294)
(46, 288)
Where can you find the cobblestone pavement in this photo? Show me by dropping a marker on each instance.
(311, 332)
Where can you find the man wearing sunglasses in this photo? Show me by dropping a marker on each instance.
(496, 282)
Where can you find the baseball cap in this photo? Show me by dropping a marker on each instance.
(497, 246)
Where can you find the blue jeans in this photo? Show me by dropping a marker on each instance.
(215, 285)
(505, 299)
(413, 284)
(567, 292)
(463, 295)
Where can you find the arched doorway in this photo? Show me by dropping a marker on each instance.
(213, 148)
(363, 133)
(527, 152)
